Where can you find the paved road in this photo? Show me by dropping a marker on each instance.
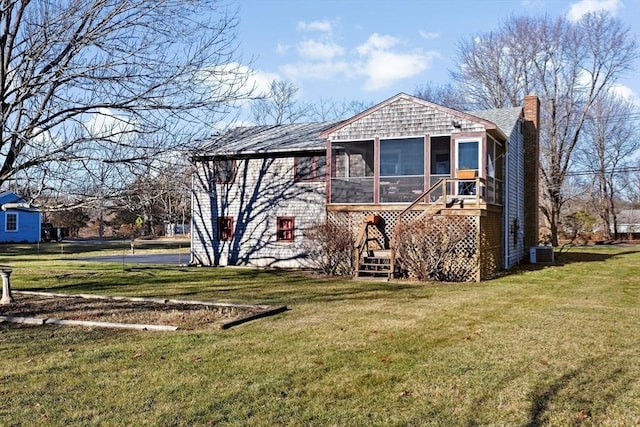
(168, 259)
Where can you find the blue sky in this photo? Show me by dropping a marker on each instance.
(371, 50)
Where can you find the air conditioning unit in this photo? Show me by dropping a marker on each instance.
(541, 255)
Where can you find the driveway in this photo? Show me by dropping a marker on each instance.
(167, 259)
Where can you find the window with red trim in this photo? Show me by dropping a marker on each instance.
(286, 229)
(310, 168)
(225, 228)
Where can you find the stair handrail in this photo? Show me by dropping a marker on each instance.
(361, 243)
(480, 182)
(439, 182)
(392, 250)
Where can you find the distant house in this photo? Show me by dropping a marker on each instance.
(628, 224)
(19, 221)
(256, 189)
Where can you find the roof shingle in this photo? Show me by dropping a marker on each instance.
(268, 139)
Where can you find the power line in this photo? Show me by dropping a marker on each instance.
(606, 171)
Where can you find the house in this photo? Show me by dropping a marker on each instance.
(628, 224)
(256, 189)
(19, 221)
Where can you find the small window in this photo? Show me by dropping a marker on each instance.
(11, 222)
(286, 228)
(225, 228)
(310, 168)
(224, 171)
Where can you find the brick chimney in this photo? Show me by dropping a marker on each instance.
(531, 133)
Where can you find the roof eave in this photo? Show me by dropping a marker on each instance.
(250, 153)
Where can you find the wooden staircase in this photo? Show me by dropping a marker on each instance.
(375, 265)
(377, 260)
(372, 258)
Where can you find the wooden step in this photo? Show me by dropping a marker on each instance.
(375, 267)
(381, 253)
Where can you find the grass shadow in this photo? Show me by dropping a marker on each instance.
(239, 285)
(587, 391)
(570, 257)
(575, 255)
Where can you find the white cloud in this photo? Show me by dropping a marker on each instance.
(282, 49)
(583, 7)
(627, 93)
(236, 78)
(106, 124)
(382, 67)
(318, 50)
(231, 77)
(261, 81)
(316, 70)
(322, 26)
(427, 35)
(534, 5)
(375, 43)
(378, 62)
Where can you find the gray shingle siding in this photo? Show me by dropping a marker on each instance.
(263, 190)
(264, 186)
(404, 117)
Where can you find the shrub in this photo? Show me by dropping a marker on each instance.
(331, 249)
(436, 248)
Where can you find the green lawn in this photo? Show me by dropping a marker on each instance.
(546, 346)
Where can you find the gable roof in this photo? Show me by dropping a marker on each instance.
(309, 137)
(284, 138)
(11, 201)
(406, 114)
(10, 197)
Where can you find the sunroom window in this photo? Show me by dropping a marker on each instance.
(401, 169)
(352, 166)
(469, 162)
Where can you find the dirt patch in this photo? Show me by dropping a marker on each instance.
(184, 316)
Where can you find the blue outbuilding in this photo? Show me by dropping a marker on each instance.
(19, 221)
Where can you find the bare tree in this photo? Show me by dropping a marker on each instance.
(85, 83)
(445, 94)
(611, 138)
(632, 185)
(330, 110)
(160, 194)
(568, 65)
(279, 106)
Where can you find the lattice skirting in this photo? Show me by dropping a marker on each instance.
(482, 243)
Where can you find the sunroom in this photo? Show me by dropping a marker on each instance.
(422, 169)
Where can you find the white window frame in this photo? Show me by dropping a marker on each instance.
(468, 140)
(472, 186)
(6, 222)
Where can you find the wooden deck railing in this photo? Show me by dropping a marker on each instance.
(475, 186)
